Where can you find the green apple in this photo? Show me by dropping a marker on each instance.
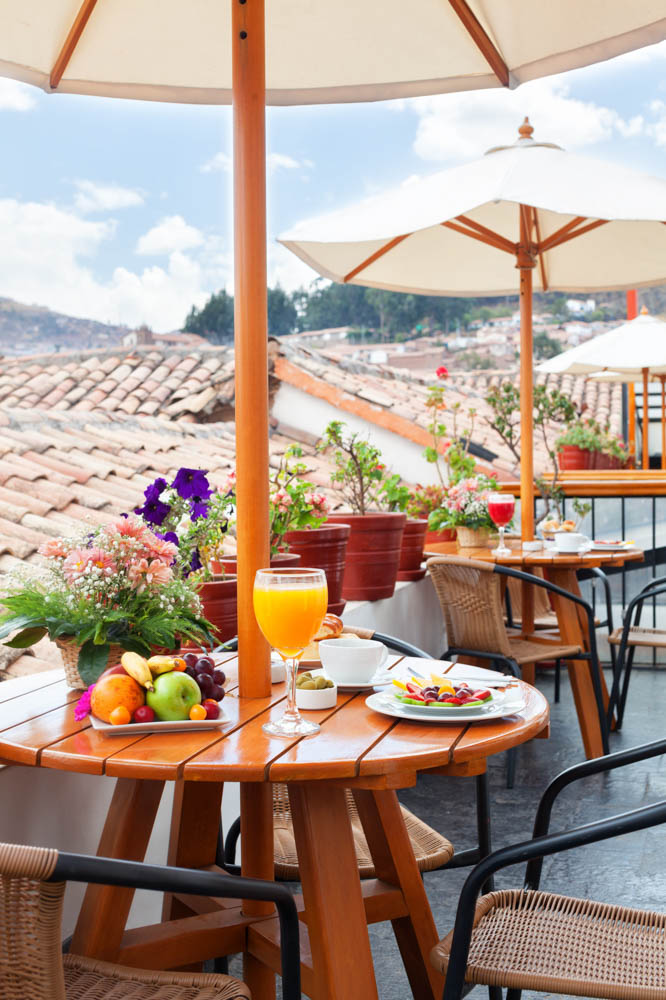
(173, 697)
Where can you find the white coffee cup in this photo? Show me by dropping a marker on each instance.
(350, 660)
(569, 541)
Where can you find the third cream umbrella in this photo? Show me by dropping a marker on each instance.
(631, 352)
(565, 221)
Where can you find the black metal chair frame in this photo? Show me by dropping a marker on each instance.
(226, 852)
(160, 878)
(542, 845)
(625, 655)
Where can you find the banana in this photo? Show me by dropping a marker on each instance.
(137, 667)
(160, 664)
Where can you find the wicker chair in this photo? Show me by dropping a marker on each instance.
(32, 966)
(530, 939)
(431, 850)
(628, 638)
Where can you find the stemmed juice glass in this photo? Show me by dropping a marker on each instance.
(501, 508)
(290, 605)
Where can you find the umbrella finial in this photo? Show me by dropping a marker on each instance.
(644, 311)
(525, 131)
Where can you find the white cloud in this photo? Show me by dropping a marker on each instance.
(461, 126)
(657, 127)
(171, 234)
(94, 197)
(223, 163)
(15, 96)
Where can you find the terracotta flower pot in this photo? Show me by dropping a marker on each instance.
(373, 554)
(229, 564)
(323, 548)
(445, 535)
(601, 460)
(411, 551)
(220, 605)
(571, 457)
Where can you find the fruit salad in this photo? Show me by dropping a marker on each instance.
(158, 689)
(439, 692)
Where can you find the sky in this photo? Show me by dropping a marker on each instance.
(120, 211)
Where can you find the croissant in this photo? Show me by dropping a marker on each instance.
(331, 628)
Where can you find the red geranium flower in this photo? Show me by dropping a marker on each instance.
(442, 372)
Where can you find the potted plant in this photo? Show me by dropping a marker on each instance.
(104, 591)
(422, 502)
(575, 446)
(298, 513)
(616, 451)
(465, 507)
(194, 516)
(373, 551)
(399, 497)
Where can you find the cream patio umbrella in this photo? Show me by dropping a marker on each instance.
(564, 221)
(631, 352)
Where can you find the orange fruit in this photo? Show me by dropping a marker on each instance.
(179, 663)
(113, 691)
(197, 712)
(119, 716)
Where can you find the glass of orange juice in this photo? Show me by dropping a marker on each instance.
(290, 605)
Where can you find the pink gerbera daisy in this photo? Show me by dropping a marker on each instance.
(166, 552)
(128, 527)
(55, 548)
(145, 574)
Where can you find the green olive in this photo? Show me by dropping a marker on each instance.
(321, 683)
(308, 685)
(330, 684)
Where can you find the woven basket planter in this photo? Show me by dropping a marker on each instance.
(69, 653)
(472, 538)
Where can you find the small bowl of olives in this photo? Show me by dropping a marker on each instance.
(314, 690)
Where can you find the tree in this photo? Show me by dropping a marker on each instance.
(282, 315)
(215, 320)
(545, 347)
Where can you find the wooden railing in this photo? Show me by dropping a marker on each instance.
(611, 483)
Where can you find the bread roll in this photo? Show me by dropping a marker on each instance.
(331, 628)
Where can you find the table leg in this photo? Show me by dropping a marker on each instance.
(341, 956)
(195, 822)
(257, 862)
(392, 853)
(574, 631)
(127, 829)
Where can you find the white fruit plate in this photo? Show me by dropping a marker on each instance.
(142, 728)
(502, 704)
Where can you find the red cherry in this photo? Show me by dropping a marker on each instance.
(212, 709)
(144, 714)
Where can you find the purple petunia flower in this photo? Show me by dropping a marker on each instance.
(195, 563)
(153, 491)
(169, 536)
(198, 508)
(191, 483)
(153, 511)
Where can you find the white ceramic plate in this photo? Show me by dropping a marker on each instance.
(141, 728)
(601, 546)
(501, 706)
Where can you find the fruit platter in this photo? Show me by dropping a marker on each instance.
(140, 695)
(440, 699)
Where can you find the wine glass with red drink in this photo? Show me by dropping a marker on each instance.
(501, 508)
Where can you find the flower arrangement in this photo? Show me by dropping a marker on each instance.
(191, 515)
(465, 505)
(363, 478)
(115, 584)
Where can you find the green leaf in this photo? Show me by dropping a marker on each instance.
(18, 621)
(92, 661)
(28, 637)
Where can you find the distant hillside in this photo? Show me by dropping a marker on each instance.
(37, 330)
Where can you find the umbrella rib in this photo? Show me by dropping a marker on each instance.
(568, 232)
(542, 261)
(375, 256)
(481, 233)
(72, 40)
(480, 37)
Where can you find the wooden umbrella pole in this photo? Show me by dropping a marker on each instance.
(632, 313)
(646, 422)
(662, 379)
(525, 262)
(251, 354)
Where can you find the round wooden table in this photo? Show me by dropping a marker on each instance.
(571, 622)
(356, 748)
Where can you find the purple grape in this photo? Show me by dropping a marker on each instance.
(191, 659)
(206, 685)
(217, 692)
(219, 677)
(205, 665)
(191, 672)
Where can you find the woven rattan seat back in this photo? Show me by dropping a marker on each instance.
(542, 606)
(470, 595)
(30, 947)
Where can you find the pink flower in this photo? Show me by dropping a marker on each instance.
(282, 501)
(442, 372)
(127, 527)
(231, 482)
(166, 552)
(145, 574)
(83, 706)
(53, 549)
(75, 564)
